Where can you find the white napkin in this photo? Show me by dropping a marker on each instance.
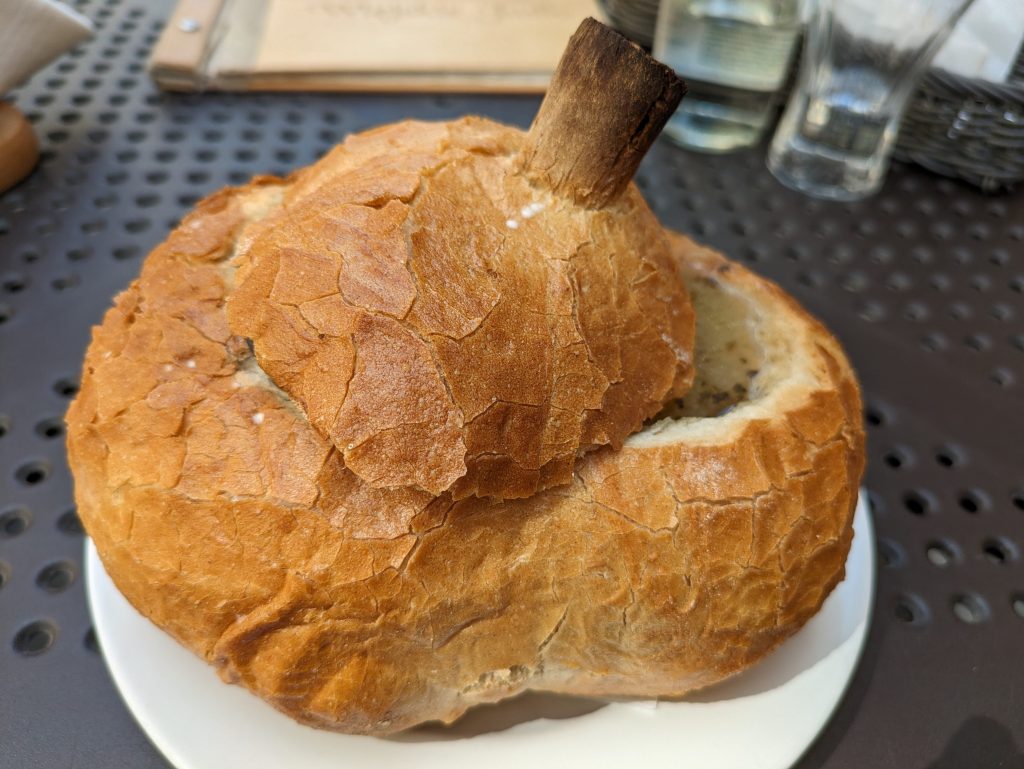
(985, 42)
(33, 33)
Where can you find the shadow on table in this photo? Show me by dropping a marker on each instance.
(980, 743)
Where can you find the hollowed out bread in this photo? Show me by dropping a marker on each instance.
(232, 523)
(446, 324)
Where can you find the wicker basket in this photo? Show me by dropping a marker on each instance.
(967, 128)
(955, 126)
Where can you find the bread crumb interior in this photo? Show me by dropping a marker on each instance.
(728, 354)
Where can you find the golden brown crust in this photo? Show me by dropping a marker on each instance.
(230, 522)
(448, 325)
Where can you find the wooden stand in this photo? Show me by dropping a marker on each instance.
(607, 103)
(19, 150)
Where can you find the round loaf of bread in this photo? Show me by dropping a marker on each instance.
(232, 522)
(446, 323)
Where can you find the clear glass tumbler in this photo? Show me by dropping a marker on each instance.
(735, 56)
(862, 60)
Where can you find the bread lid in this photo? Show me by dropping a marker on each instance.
(464, 306)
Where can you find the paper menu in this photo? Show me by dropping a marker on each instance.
(495, 45)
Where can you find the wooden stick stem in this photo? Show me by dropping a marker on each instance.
(607, 103)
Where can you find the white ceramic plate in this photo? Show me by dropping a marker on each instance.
(764, 718)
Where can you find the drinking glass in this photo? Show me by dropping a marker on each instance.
(862, 60)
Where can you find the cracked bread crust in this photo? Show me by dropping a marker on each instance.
(234, 525)
(446, 324)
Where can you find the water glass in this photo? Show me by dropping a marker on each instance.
(862, 60)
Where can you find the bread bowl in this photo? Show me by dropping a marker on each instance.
(209, 474)
(687, 555)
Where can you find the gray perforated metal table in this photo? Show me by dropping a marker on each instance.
(924, 284)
